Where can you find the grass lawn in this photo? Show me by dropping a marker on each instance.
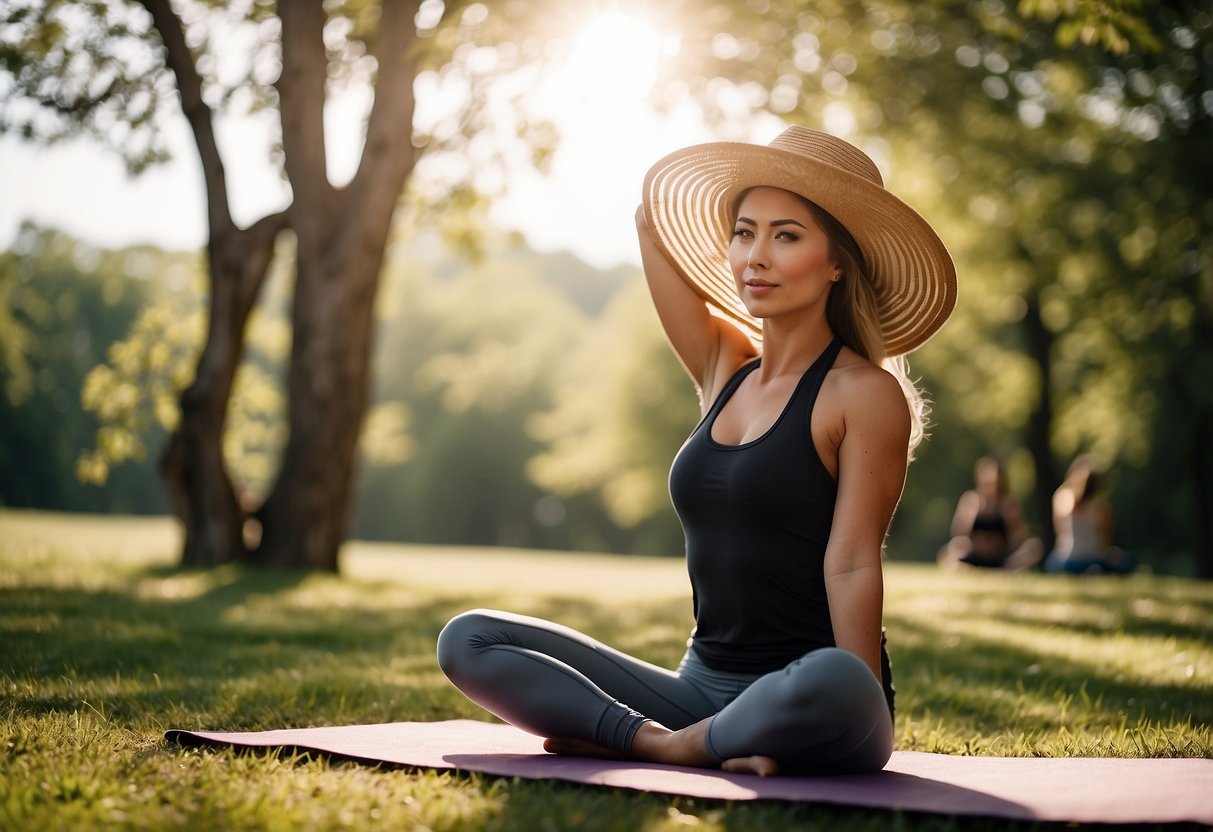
(104, 644)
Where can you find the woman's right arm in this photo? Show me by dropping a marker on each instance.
(707, 346)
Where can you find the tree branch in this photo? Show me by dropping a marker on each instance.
(388, 155)
(197, 113)
(301, 94)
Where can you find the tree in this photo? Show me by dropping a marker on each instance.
(106, 70)
(1017, 131)
(1062, 150)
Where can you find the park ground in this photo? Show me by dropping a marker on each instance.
(105, 643)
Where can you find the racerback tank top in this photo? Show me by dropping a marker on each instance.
(757, 519)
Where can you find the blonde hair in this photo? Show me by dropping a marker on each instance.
(853, 315)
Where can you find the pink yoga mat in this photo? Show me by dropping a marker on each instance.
(1076, 789)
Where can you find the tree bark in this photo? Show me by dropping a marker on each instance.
(192, 464)
(195, 474)
(342, 237)
(1038, 342)
(1202, 493)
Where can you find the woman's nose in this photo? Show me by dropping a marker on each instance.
(758, 256)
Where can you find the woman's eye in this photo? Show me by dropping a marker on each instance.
(787, 235)
(741, 232)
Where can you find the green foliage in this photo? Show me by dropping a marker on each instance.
(471, 349)
(1117, 26)
(83, 68)
(107, 645)
(135, 393)
(1061, 146)
(385, 436)
(15, 340)
(138, 388)
(621, 414)
(1071, 185)
(66, 302)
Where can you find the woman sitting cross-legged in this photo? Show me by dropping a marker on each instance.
(790, 283)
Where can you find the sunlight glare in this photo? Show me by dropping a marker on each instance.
(616, 56)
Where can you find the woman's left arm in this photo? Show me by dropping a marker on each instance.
(872, 458)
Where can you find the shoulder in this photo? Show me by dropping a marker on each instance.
(863, 409)
(970, 499)
(867, 392)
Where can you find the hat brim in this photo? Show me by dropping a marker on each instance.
(688, 203)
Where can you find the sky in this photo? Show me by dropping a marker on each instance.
(610, 136)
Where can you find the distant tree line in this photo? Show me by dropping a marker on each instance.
(521, 400)
(1061, 148)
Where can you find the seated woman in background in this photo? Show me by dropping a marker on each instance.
(1082, 520)
(988, 528)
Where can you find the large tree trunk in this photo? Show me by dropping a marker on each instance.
(306, 516)
(1038, 342)
(341, 242)
(1202, 494)
(342, 237)
(192, 465)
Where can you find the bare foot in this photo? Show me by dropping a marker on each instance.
(658, 744)
(757, 764)
(685, 747)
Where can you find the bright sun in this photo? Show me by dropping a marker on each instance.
(617, 55)
(597, 87)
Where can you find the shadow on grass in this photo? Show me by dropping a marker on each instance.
(246, 649)
(998, 687)
(242, 649)
(1163, 608)
(254, 649)
(1052, 656)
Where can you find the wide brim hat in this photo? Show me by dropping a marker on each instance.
(689, 202)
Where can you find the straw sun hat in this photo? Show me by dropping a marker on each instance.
(689, 201)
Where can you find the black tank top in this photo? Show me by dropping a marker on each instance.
(991, 522)
(757, 518)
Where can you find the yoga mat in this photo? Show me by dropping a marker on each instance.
(1075, 789)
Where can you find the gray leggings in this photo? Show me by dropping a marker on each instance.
(824, 712)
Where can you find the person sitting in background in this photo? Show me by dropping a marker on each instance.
(1082, 520)
(988, 528)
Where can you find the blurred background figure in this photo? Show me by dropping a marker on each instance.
(988, 528)
(1082, 520)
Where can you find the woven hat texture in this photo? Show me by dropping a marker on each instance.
(689, 200)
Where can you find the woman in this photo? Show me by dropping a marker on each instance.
(1082, 521)
(988, 527)
(787, 280)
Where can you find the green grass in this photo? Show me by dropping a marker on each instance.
(104, 644)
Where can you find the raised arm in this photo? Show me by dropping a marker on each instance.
(709, 348)
(871, 473)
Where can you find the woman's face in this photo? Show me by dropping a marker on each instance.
(779, 255)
